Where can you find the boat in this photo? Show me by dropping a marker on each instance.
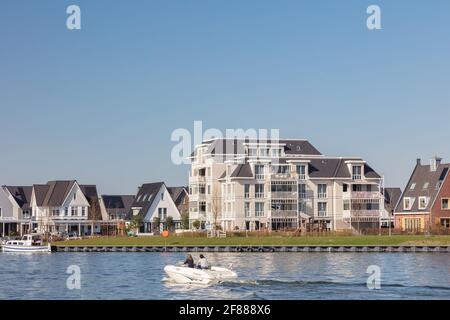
(28, 243)
(185, 275)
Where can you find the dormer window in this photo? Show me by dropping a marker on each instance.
(356, 172)
(413, 186)
(276, 152)
(423, 202)
(301, 171)
(407, 203)
(425, 185)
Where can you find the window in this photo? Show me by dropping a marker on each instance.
(252, 152)
(276, 152)
(246, 191)
(247, 209)
(75, 196)
(83, 211)
(322, 208)
(412, 224)
(162, 213)
(301, 171)
(345, 187)
(259, 172)
(413, 186)
(74, 211)
(425, 185)
(162, 196)
(346, 205)
(445, 223)
(201, 189)
(407, 203)
(322, 191)
(66, 211)
(356, 172)
(0, 212)
(259, 190)
(302, 207)
(444, 203)
(302, 191)
(263, 152)
(259, 209)
(423, 202)
(209, 189)
(55, 212)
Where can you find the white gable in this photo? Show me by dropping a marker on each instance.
(162, 200)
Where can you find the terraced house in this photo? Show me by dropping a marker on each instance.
(425, 202)
(243, 184)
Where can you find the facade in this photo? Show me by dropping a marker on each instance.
(243, 184)
(116, 207)
(153, 200)
(424, 204)
(15, 210)
(65, 206)
(391, 198)
(180, 196)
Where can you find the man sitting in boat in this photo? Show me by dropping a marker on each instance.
(202, 263)
(189, 262)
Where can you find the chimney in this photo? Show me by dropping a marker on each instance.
(434, 163)
(418, 161)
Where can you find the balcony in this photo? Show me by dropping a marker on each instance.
(366, 213)
(322, 195)
(301, 176)
(197, 179)
(246, 195)
(356, 177)
(260, 176)
(283, 195)
(284, 213)
(365, 195)
(322, 214)
(259, 195)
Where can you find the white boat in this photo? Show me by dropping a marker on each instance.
(185, 275)
(28, 243)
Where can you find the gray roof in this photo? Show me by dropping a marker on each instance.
(336, 168)
(118, 202)
(146, 195)
(22, 195)
(242, 171)
(236, 146)
(391, 197)
(426, 183)
(55, 192)
(178, 194)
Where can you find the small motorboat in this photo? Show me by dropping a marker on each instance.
(185, 275)
(28, 243)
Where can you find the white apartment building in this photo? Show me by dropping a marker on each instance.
(243, 184)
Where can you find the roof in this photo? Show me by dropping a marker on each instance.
(114, 202)
(178, 194)
(242, 171)
(57, 192)
(336, 168)
(426, 183)
(146, 195)
(22, 195)
(236, 146)
(391, 197)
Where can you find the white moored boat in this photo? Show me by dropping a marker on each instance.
(185, 275)
(28, 243)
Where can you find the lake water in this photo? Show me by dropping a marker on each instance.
(261, 276)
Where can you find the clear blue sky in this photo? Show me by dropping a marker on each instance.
(99, 104)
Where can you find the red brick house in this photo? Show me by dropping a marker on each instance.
(425, 202)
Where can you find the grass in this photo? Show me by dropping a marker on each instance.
(262, 240)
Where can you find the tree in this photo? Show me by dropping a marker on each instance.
(216, 207)
(169, 223)
(136, 222)
(185, 220)
(196, 224)
(155, 224)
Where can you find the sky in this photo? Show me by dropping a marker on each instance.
(99, 104)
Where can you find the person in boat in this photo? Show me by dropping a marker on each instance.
(202, 263)
(189, 261)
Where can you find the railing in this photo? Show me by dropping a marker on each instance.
(322, 214)
(283, 194)
(302, 195)
(259, 213)
(322, 195)
(356, 177)
(246, 195)
(259, 195)
(260, 176)
(365, 194)
(365, 213)
(301, 176)
(284, 213)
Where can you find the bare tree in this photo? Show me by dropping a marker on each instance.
(216, 207)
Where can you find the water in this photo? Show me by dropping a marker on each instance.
(261, 276)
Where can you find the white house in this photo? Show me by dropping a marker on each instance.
(15, 211)
(153, 200)
(65, 206)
